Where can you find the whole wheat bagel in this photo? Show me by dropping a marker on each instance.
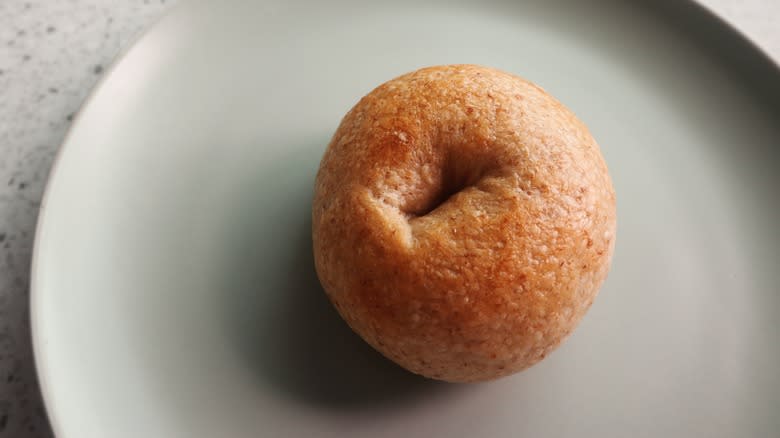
(463, 222)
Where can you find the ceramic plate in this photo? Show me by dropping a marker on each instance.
(174, 292)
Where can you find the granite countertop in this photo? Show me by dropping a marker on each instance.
(51, 55)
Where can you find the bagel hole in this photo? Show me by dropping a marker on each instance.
(456, 177)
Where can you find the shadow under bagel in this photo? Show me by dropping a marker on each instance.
(278, 318)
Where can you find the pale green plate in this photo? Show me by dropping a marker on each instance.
(174, 293)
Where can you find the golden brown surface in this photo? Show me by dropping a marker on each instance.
(463, 222)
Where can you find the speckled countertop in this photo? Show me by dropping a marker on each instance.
(51, 55)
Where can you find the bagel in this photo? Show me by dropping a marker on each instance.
(463, 221)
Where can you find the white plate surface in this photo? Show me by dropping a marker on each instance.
(174, 293)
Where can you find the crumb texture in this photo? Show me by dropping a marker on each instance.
(463, 221)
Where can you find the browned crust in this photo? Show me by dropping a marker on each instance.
(495, 277)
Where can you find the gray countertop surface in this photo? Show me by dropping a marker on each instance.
(52, 53)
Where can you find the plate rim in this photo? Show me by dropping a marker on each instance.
(36, 329)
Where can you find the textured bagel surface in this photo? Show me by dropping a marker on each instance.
(463, 222)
